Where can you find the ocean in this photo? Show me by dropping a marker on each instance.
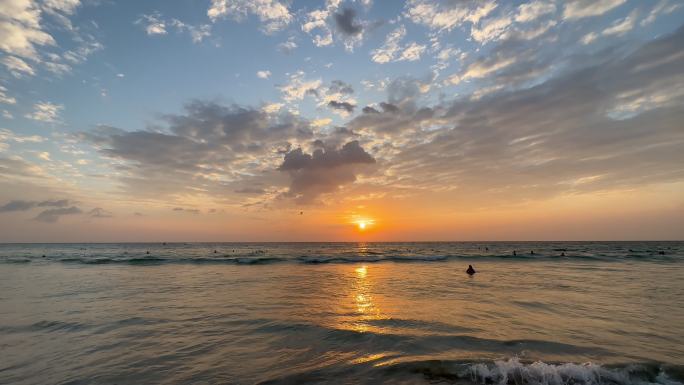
(342, 313)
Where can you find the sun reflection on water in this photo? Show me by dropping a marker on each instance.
(361, 292)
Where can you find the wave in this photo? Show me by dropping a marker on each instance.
(259, 257)
(502, 372)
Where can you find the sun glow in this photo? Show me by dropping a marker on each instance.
(363, 223)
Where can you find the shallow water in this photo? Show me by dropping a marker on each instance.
(342, 313)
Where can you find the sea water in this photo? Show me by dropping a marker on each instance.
(239, 313)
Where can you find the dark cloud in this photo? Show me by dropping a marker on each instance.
(99, 212)
(17, 206)
(389, 107)
(20, 205)
(250, 190)
(208, 140)
(345, 22)
(323, 171)
(338, 86)
(370, 110)
(345, 106)
(191, 211)
(54, 203)
(53, 215)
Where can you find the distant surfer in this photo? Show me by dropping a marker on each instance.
(470, 270)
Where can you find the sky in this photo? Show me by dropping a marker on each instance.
(357, 120)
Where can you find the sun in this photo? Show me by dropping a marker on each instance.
(362, 225)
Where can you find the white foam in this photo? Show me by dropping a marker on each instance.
(513, 371)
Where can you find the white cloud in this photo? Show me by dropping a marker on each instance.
(17, 66)
(589, 38)
(197, 33)
(272, 13)
(577, 9)
(445, 17)
(533, 10)
(4, 98)
(491, 29)
(272, 108)
(44, 155)
(120, 75)
(263, 74)
(7, 115)
(298, 87)
(45, 112)
(321, 122)
(412, 52)
(620, 27)
(287, 46)
(391, 50)
(663, 7)
(9, 136)
(316, 25)
(481, 69)
(154, 24)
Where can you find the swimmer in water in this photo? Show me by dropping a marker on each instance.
(515, 253)
(470, 270)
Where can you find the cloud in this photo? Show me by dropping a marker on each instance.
(577, 9)
(620, 27)
(17, 205)
(288, 46)
(21, 30)
(272, 13)
(483, 67)
(299, 87)
(263, 74)
(154, 24)
(392, 50)
(22, 205)
(345, 22)
(606, 125)
(533, 10)
(663, 7)
(447, 15)
(181, 209)
(208, 148)
(53, 215)
(4, 98)
(17, 167)
(9, 136)
(617, 28)
(17, 66)
(99, 212)
(338, 86)
(323, 171)
(45, 112)
(345, 106)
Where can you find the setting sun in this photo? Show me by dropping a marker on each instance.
(362, 225)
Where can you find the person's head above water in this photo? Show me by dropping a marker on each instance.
(470, 270)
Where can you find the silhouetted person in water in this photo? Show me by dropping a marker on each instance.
(532, 252)
(470, 270)
(514, 253)
(562, 254)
